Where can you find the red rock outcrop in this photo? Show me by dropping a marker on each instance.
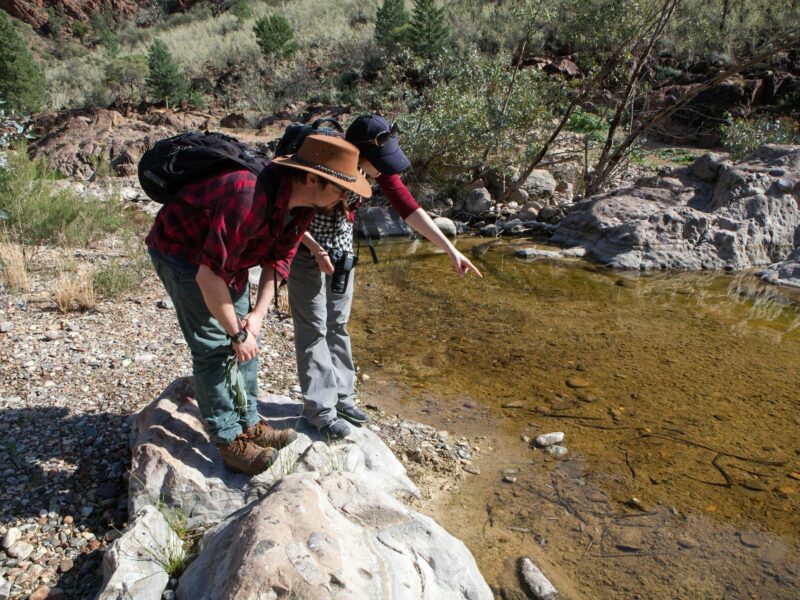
(34, 12)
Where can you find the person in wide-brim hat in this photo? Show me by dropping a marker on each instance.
(331, 158)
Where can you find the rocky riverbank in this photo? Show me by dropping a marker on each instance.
(70, 383)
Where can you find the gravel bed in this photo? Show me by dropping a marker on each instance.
(69, 385)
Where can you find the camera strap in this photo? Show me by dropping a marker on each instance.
(366, 234)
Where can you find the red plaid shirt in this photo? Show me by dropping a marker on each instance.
(224, 223)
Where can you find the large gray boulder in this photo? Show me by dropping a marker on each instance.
(477, 201)
(174, 462)
(381, 221)
(134, 566)
(322, 537)
(446, 226)
(539, 184)
(731, 216)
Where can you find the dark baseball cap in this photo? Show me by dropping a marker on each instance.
(377, 141)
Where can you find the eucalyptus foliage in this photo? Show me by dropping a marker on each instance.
(743, 136)
(482, 106)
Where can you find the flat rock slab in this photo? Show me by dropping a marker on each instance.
(174, 461)
(338, 535)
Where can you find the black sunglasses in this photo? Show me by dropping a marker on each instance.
(381, 139)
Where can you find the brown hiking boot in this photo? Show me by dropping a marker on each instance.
(243, 456)
(262, 434)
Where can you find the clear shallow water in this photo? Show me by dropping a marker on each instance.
(681, 391)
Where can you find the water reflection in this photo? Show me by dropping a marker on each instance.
(677, 394)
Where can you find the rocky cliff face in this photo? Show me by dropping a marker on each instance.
(34, 12)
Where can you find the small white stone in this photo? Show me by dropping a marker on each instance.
(11, 537)
(539, 586)
(549, 439)
(556, 451)
(20, 550)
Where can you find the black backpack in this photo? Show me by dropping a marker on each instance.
(173, 162)
(296, 132)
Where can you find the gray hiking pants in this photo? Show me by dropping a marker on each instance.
(322, 344)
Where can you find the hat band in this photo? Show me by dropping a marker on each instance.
(326, 170)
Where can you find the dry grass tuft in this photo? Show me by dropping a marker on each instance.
(12, 261)
(74, 291)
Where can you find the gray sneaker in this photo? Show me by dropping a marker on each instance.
(335, 430)
(353, 414)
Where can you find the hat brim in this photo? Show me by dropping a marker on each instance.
(388, 159)
(360, 186)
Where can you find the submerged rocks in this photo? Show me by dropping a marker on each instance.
(549, 439)
(538, 585)
(711, 215)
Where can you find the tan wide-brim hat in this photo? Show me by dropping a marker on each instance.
(332, 158)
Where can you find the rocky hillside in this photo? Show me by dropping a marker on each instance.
(35, 12)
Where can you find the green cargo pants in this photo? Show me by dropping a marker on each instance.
(211, 352)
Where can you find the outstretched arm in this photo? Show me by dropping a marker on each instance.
(420, 222)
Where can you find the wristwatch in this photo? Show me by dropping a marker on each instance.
(239, 337)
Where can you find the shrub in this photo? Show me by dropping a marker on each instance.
(73, 82)
(103, 27)
(595, 126)
(14, 264)
(164, 80)
(429, 32)
(275, 37)
(475, 120)
(126, 76)
(21, 78)
(117, 278)
(743, 136)
(37, 212)
(242, 9)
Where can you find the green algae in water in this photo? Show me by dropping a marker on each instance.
(677, 389)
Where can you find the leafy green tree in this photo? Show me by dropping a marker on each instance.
(390, 23)
(275, 37)
(164, 80)
(125, 77)
(21, 77)
(429, 31)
